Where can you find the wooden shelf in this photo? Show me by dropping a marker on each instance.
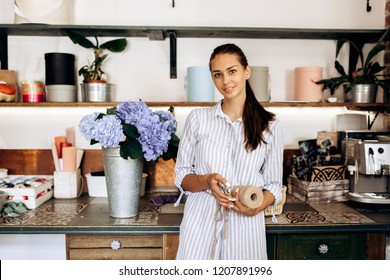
(352, 106)
(174, 32)
(161, 32)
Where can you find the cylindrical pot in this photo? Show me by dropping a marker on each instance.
(123, 181)
(199, 85)
(364, 93)
(60, 69)
(97, 92)
(305, 87)
(259, 82)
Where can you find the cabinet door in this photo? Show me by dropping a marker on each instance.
(321, 246)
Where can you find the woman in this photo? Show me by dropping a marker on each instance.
(235, 142)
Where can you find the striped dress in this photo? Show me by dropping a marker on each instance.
(212, 143)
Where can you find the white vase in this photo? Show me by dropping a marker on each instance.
(123, 180)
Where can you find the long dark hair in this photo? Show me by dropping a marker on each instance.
(256, 119)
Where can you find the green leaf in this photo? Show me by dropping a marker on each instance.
(339, 68)
(374, 69)
(130, 131)
(115, 46)
(174, 140)
(130, 148)
(79, 39)
(339, 45)
(111, 111)
(100, 116)
(374, 51)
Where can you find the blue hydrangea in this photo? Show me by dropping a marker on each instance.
(152, 130)
(131, 112)
(87, 126)
(154, 137)
(168, 120)
(109, 131)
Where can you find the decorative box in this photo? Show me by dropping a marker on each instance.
(32, 195)
(328, 173)
(318, 192)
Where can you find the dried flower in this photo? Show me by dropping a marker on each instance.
(139, 131)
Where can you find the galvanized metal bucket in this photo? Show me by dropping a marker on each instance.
(123, 180)
(97, 92)
(364, 93)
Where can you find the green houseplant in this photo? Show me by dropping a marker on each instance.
(367, 73)
(95, 86)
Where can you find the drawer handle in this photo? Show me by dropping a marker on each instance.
(115, 245)
(323, 249)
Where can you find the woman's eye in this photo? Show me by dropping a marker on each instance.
(232, 71)
(216, 75)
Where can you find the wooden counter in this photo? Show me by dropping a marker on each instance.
(347, 230)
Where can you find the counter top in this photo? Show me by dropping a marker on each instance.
(90, 215)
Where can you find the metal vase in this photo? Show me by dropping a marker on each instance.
(123, 179)
(364, 93)
(97, 92)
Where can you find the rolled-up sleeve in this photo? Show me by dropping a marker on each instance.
(273, 166)
(186, 154)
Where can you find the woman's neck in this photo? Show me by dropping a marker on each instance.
(233, 108)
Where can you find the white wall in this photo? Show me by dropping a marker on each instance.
(142, 71)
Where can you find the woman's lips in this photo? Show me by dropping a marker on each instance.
(228, 90)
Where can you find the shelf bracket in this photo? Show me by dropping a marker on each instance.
(155, 35)
(4, 51)
(173, 54)
(371, 123)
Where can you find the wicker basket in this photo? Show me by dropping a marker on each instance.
(278, 209)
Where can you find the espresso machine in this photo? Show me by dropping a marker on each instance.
(368, 167)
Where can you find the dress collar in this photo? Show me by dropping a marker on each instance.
(217, 112)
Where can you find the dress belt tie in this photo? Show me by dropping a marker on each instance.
(224, 212)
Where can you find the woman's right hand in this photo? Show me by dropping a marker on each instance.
(223, 199)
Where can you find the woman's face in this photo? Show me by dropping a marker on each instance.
(229, 75)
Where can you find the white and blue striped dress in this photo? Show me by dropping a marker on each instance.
(212, 143)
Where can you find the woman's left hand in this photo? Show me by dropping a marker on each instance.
(240, 208)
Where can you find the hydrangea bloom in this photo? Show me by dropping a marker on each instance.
(146, 132)
(107, 130)
(87, 126)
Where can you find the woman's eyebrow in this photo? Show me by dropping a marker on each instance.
(230, 67)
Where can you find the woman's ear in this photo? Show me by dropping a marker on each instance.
(247, 72)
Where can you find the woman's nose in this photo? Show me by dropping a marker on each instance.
(225, 80)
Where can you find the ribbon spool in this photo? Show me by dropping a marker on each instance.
(250, 196)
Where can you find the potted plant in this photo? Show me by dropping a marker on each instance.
(95, 86)
(129, 134)
(362, 83)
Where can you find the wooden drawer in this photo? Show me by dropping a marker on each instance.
(114, 247)
(321, 246)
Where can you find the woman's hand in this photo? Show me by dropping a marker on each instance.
(222, 198)
(268, 199)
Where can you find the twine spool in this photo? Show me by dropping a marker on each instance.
(250, 196)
